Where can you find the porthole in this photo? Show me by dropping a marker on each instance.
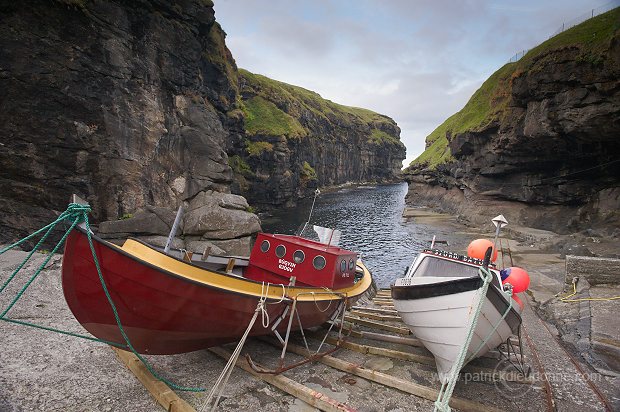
(298, 256)
(343, 265)
(351, 264)
(319, 262)
(280, 251)
(264, 246)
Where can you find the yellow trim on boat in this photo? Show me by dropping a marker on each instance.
(238, 284)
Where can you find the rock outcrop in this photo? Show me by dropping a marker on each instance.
(540, 140)
(133, 106)
(122, 103)
(295, 141)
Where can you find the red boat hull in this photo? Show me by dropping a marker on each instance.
(162, 312)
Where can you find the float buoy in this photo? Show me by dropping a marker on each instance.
(517, 277)
(477, 248)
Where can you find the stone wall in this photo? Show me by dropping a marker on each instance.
(595, 270)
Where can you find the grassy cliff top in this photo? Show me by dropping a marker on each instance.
(490, 101)
(287, 104)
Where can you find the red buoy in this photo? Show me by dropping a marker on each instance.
(477, 248)
(518, 278)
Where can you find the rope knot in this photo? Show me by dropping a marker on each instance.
(76, 208)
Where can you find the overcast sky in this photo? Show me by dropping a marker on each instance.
(417, 61)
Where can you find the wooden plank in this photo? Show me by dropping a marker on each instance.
(494, 354)
(377, 325)
(374, 316)
(388, 353)
(424, 359)
(375, 310)
(165, 396)
(308, 395)
(388, 305)
(393, 382)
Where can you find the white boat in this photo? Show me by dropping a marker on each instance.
(437, 299)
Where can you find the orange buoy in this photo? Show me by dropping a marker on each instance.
(518, 278)
(477, 248)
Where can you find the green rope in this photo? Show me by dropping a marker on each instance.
(445, 393)
(64, 332)
(75, 213)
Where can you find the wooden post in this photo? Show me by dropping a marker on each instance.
(230, 265)
(206, 254)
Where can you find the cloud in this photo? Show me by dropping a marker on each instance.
(415, 61)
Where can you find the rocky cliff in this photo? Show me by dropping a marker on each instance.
(133, 105)
(540, 140)
(122, 103)
(295, 141)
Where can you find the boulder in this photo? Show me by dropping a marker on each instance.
(198, 246)
(208, 218)
(235, 247)
(143, 222)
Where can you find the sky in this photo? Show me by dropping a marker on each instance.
(416, 61)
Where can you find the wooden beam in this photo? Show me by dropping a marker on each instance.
(424, 359)
(374, 316)
(375, 310)
(388, 305)
(165, 396)
(308, 395)
(378, 325)
(393, 382)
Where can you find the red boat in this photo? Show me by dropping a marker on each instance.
(170, 305)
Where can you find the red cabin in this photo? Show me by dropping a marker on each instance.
(277, 258)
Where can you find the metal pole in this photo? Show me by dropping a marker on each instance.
(316, 193)
(173, 230)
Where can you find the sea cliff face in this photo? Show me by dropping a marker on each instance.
(124, 104)
(295, 141)
(135, 106)
(540, 139)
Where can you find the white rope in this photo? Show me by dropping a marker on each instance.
(222, 380)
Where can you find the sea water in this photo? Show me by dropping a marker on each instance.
(371, 222)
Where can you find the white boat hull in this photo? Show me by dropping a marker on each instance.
(441, 320)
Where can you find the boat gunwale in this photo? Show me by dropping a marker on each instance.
(298, 290)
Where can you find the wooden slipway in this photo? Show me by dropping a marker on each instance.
(367, 327)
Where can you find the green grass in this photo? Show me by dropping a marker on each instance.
(308, 172)
(257, 148)
(296, 100)
(263, 117)
(239, 166)
(379, 137)
(489, 103)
